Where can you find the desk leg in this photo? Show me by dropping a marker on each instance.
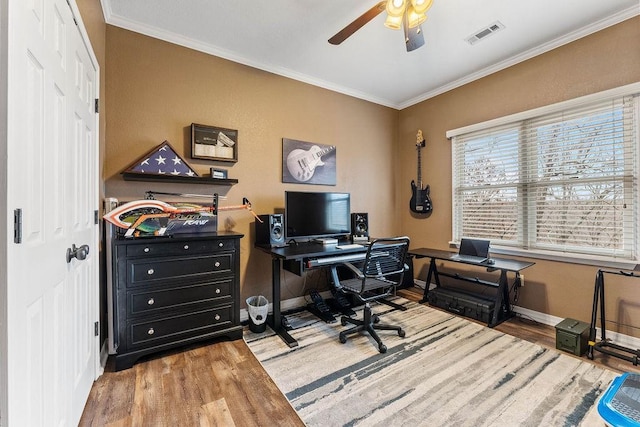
(502, 308)
(594, 315)
(433, 271)
(275, 321)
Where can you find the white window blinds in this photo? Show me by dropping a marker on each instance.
(563, 181)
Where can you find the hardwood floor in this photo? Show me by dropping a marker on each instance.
(223, 384)
(220, 384)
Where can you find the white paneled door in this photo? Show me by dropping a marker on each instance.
(52, 302)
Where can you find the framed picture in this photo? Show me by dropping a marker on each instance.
(214, 143)
(308, 163)
(218, 173)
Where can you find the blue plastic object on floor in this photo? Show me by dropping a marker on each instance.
(619, 406)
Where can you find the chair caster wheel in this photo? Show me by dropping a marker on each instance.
(382, 348)
(376, 319)
(401, 333)
(343, 339)
(343, 321)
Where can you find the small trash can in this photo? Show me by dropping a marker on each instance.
(258, 308)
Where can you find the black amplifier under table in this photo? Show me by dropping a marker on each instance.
(462, 303)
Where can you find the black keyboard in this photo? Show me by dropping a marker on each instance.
(323, 261)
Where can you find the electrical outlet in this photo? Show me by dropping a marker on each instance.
(522, 280)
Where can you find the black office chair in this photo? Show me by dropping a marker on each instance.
(376, 278)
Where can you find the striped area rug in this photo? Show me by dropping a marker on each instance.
(447, 371)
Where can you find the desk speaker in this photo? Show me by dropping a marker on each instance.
(270, 232)
(360, 224)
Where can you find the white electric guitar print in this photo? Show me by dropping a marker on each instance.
(302, 163)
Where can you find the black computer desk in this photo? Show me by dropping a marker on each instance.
(297, 258)
(502, 304)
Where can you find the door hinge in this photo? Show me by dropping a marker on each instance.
(72, 14)
(17, 226)
(96, 217)
(96, 328)
(97, 106)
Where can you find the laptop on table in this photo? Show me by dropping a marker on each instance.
(473, 250)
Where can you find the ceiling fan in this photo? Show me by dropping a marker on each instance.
(408, 14)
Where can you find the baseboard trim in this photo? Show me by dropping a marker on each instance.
(104, 354)
(547, 319)
(537, 316)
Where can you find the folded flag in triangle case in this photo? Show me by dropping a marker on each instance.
(162, 160)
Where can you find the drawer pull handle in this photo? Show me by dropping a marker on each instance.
(150, 331)
(186, 247)
(217, 317)
(151, 301)
(146, 250)
(150, 271)
(217, 264)
(220, 244)
(218, 290)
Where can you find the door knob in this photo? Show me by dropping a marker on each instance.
(79, 253)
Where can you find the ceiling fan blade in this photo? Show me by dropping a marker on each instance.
(358, 23)
(413, 37)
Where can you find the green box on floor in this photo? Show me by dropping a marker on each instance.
(572, 336)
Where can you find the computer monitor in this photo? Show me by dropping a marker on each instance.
(312, 215)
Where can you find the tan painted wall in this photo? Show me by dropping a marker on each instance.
(607, 59)
(155, 90)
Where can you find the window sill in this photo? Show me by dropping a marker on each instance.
(597, 261)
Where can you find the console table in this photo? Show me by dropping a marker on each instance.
(504, 266)
(297, 258)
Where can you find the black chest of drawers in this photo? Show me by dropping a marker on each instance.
(173, 291)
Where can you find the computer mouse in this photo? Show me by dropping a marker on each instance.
(491, 261)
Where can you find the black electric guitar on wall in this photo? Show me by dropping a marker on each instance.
(420, 200)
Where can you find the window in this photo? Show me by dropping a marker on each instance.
(556, 180)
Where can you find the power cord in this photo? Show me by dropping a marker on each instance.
(527, 319)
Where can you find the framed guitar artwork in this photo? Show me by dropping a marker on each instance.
(308, 163)
(420, 199)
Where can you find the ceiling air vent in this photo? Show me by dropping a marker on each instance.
(485, 32)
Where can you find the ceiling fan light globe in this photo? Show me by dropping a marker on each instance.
(415, 19)
(393, 22)
(395, 7)
(421, 6)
